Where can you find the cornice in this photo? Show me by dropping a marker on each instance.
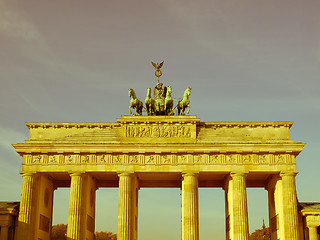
(148, 120)
(245, 124)
(33, 125)
(158, 120)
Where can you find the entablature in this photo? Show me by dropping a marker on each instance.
(160, 129)
(159, 141)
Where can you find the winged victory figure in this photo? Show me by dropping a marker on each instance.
(157, 65)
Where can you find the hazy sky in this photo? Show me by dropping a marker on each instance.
(246, 60)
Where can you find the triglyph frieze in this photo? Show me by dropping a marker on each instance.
(158, 159)
(158, 131)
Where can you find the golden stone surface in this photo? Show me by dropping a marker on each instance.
(157, 151)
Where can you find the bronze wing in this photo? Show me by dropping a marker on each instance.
(155, 65)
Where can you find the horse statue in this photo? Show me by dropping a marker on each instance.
(168, 102)
(184, 102)
(135, 102)
(149, 103)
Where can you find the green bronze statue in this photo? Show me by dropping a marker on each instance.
(184, 102)
(162, 104)
(149, 103)
(135, 102)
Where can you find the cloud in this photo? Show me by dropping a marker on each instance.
(14, 24)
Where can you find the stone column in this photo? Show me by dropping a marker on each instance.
(290, 206)
(189, 205)
(313, 234)
(4, 232)
(25, 230)
(125, 210)
(75, 227)
(240, 209)
(275, 207)
(236, 207)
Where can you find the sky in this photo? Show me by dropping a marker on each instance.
(245, 60)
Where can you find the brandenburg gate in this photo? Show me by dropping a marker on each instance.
(157, 151)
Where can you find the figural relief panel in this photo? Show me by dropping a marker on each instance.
(151, 131)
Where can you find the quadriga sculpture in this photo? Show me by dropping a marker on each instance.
(149, 102)
(168, 102)
(135, 102)
(184, 102)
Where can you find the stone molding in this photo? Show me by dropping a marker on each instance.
(246, 124)
(34, 125)
(43, 125)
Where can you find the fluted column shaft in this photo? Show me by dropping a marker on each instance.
(75, 205)
(290, 206)
(240, 209)
(125, 211)
(189, 205)
(313, 234)
(25, 214)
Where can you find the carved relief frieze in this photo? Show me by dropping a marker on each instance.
(198, 159)
(248, 158)
(36, 159)
(125, 158)
(85, 159)
(101, 159)
(214, 158)
(291, 159)
(280, 159)
(166, 159)
(77, 159)
(69, 159)
(53, 159)
(263, 159)
(271, 158)
(174, 159)
(159, 159)
(205, 158)
(45, 159)
(231, 159)
(182, 159)
(158, 131)
(133, 159)
(61, 159)
(117, 159)
(93, 159)
(150, 159)
(141, 159)
(27, 159)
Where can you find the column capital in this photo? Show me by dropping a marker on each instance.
(190, 174)
(76, 173)
(27, 173)
(125, 174)
(291, 173)
(312, 221)
(244, 174)
(312, 225)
